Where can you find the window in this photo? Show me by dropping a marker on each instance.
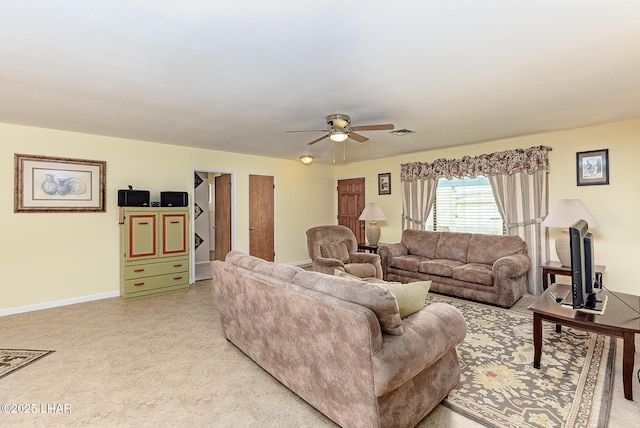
(465, 205)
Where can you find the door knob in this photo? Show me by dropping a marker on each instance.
(252, 228)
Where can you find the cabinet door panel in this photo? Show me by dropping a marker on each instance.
(174, 234)
(143, 236)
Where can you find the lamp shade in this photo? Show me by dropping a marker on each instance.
(338, 137)
(566, 212)
(372, 212)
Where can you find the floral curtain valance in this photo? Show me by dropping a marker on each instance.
(505, 162)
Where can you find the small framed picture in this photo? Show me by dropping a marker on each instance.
(48, 184)
(593, 167)
(384, 183)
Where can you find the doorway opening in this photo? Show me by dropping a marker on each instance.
(211, 223)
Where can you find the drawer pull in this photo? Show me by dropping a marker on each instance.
(175, 222)
(176, 278)
(144, 222)
(138, 284)
(179, 265)
(139, 270)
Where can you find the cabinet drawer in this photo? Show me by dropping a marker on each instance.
(155, 282)
(154, 269)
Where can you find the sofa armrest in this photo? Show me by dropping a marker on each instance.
(428, 335)
(512, 266)
(373, 259)
(387, 252)
(510, 278)
(326, 265)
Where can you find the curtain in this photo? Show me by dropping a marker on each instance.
(519, 179)
(523, 201)
(417, 199)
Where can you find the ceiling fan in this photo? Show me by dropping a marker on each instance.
(339, 127)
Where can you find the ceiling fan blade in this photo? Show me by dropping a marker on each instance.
(359, 138)
(309, 130)
(385, 127)
(318, 139)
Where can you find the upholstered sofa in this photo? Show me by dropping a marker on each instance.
(486, 268)
(339, 343)
(334, 247)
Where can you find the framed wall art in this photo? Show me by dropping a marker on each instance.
(384, 183)
(593, 167)
(50, 184)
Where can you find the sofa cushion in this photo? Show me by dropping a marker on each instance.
(380, 300)
(360, 270)
(421, 242)
(489, 248)
(243, 260)
(440, 267)
(410, 297)
(277, 270)
(339, 251)
(474, 272)
(453, 246)
(408, 262)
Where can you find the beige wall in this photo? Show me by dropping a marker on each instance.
(54, 257)
(61, 256)
(616, 207)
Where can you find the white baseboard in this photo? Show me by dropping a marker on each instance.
(301, 263)
(57, 303)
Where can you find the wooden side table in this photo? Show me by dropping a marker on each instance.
(368, 248)
(551, 269)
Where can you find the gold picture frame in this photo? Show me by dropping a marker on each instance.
(592, 167)
(51, 184)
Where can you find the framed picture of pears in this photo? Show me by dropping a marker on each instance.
(51, 184)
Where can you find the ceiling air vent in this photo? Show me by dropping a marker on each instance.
(401, 132)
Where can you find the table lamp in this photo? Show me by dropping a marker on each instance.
(563, 215)
(373, 214)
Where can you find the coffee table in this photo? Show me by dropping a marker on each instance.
(618, 321)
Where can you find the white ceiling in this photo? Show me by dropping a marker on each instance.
(235, 75)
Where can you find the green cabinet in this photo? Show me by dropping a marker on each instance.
(154, 251)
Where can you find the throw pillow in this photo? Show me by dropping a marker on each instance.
(410, 297)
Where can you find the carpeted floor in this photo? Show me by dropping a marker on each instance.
(163, 362)
(499, 386)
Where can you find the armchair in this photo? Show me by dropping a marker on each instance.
(335, 247)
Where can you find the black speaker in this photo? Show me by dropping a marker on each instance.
(133, 198)
(174, 199)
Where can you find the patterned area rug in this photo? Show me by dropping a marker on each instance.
(500, 388)
(15, 359)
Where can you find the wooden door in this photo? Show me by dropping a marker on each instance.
(222, 186)
(261, 217)
(350, 206)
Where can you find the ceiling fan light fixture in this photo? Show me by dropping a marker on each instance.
(338, 137)
(306, 159)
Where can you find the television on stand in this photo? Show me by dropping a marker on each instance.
(583, 278)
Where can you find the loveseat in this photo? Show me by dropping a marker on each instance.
(339, 343)
(486, 268)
